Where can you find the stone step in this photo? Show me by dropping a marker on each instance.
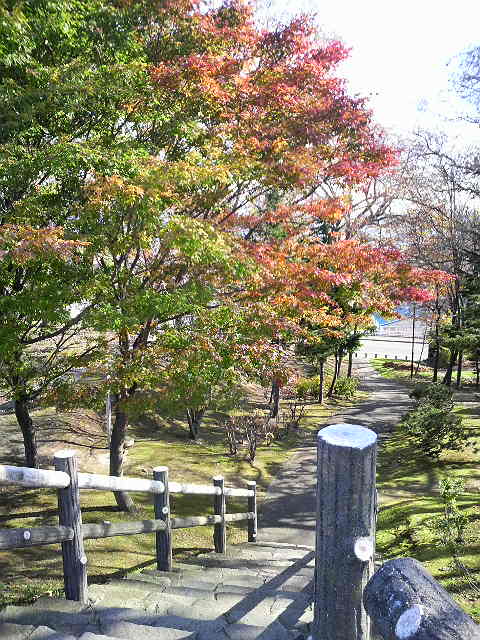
(274, 545)
(231, 562)
(149, 602)
(176, 629)
(45, 633)
(130, 631)
(11, 631)
(203, 580)
(61, 621)
(94, 636)
(264, 552)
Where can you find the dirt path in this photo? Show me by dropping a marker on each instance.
(288, 513)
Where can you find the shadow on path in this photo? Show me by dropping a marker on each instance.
(288, 513)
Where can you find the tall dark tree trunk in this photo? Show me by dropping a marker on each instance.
(447, 378)
(275, 398)
(437, 354)
(435, 364)
(322, 378)
(459, 369)
(117, 453)
(28, 430)
(335, 376)
(194, 418)
(350, 364)
(477, 371)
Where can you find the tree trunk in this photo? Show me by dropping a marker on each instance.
(28, 430)
(435, 363)
(322, 377)
(459, 369)
(437, 351)
(117, 454)
(477, 372)
(350, 364)
(334, 379)
(436, 356)
(447, 379)
(194, 418)
(339, 365)
(275, 396)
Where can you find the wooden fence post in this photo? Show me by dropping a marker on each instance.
(405, 601)
(70, 515)
(345, 531)
(163, 539)
(252, 506)
(219, 509)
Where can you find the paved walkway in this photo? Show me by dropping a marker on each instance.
(288, 514)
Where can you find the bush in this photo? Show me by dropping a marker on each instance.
(249, 431)
(306, 387)
(346, 387)
(432, 423)
(433, 393)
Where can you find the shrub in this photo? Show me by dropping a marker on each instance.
(346, 387)
(308, 387)
(432, 423)
(433, 393)
(249, 431)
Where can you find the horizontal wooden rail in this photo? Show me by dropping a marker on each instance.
(44, 478)
(19, 538)
(196, 489)
(39, 478)
(207, 490)
(238, 493)
(107, 529)
(199, 521)
(110, 529)
(123, 483)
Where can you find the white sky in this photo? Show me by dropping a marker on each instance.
(403, 53)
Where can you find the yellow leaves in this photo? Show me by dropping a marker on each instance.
(279, 145)
(23, 243)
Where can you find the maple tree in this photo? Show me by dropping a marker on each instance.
(39, 280)
(190, 148)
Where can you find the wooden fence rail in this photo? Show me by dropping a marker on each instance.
(71, 532)
(16, 538)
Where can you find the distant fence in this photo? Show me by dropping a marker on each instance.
(402, 599)
(71, 532)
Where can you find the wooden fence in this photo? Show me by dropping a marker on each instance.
(401, 600)
(71, 532)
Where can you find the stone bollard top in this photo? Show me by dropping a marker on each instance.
(353, 436)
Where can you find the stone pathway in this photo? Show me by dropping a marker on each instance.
(288, 513)
(254, 592)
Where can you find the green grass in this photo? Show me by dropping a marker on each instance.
(408, 484)
(400, 370)
(27, 573)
